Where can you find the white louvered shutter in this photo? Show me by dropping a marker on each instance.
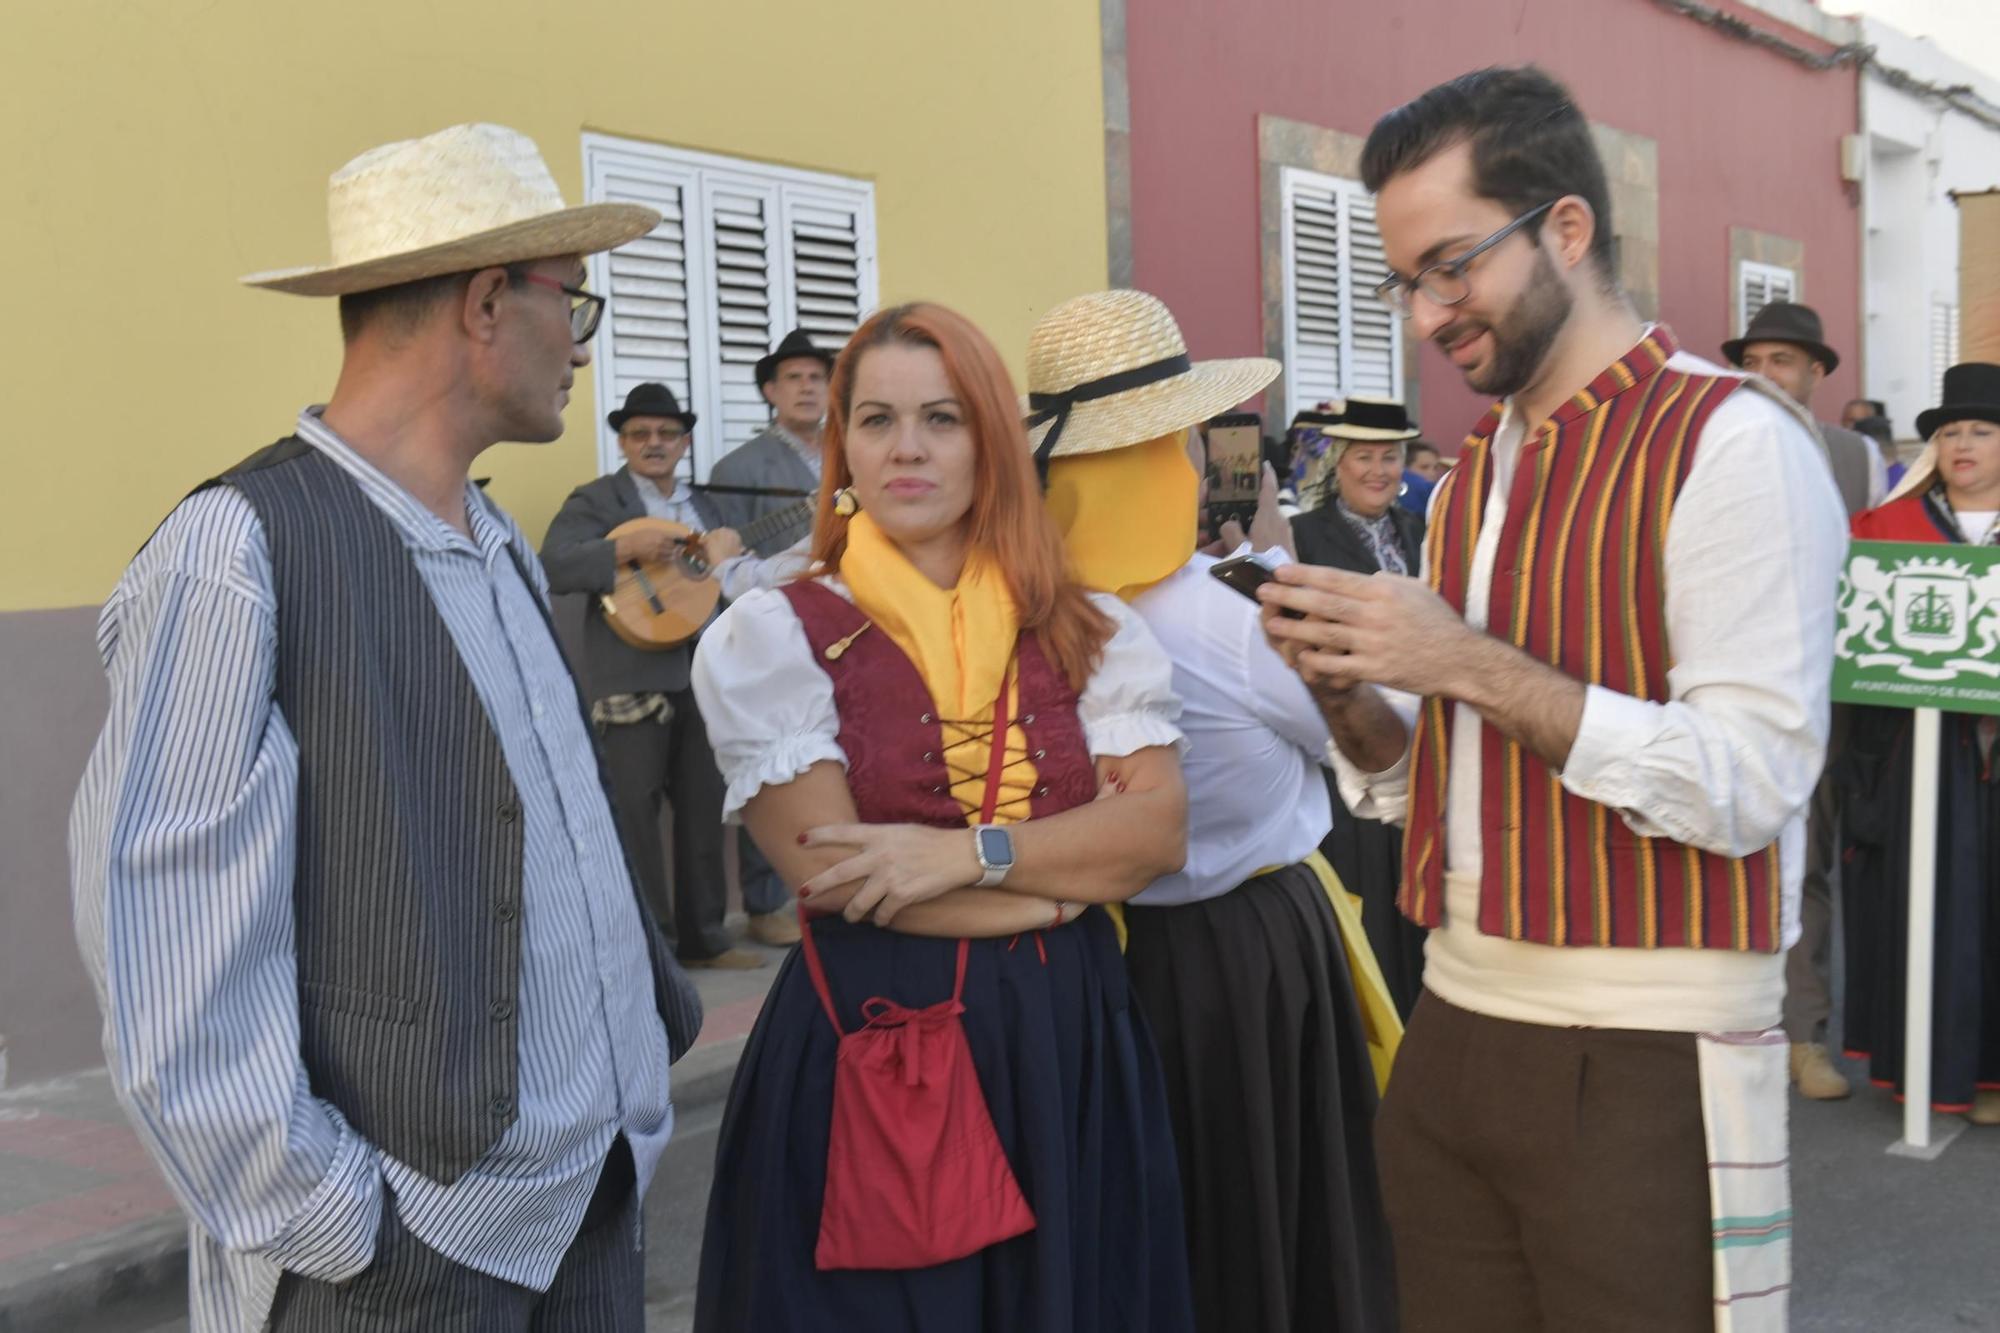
(645, 334)
(1339, 339)
(827, 257)
(1758, 285)
(742, 222)
(1374, 331)
(745, 252)
(1944, 344)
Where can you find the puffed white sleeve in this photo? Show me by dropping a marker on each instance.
(1129, 703)
(767, 705)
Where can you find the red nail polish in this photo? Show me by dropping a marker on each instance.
(805, 892)
(802, 839)
(1121, 788)
(1113, 779)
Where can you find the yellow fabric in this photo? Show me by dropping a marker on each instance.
(1379, 1019)
(961, 640)
(1127, 515)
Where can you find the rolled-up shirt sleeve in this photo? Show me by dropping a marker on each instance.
(1752, 559)
(182, 859)
(1384, 795)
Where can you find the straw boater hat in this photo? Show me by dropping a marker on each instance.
(1111, 369)
(466, 198)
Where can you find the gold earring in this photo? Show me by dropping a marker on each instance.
(844, 503)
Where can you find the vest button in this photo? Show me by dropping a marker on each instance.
(509, 811)
(502, 1010)
(501, 1106)
(506, 911)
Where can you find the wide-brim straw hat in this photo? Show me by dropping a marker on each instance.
(465, 198)
(1111, 369)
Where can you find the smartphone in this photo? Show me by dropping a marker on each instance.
(1245, 573)
(1235, 456)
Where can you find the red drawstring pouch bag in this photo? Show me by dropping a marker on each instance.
(915, 1174)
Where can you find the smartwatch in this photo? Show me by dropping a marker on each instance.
(994, 846)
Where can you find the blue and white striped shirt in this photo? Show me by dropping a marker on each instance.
(182, 855)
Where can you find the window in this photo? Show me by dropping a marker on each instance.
(1944, 344)
(1757, 285)
(744, 253)
(1339, 339)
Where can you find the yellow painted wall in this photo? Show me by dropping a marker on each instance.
(153, 150)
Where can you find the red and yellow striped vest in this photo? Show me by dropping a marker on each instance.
(1579, 583)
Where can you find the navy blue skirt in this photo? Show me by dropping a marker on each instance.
(1074, 1085)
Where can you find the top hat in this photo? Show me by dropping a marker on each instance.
(794, 345)
(1971, 393)
(463, 199)
(650, 400)
(1110, 369)
(1785, 322)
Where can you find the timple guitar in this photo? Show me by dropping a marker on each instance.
(659, 604)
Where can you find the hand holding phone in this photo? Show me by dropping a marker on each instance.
(1245, 573)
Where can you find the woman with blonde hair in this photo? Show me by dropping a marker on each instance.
(949, 1115)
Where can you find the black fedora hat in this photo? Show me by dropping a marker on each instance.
(1785, 322)
(650, 400)
(1971, 393)
(795, 344)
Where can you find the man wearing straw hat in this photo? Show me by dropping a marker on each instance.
(380, 996)
(1599, 716)
(1272, 1022)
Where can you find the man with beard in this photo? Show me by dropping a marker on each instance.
(1600, 715)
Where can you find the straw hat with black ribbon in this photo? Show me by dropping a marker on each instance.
(466, 198)
(1112, 396)
(1111, 369)
(1971, 393)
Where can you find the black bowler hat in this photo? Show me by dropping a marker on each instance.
(1785, 322)
(795, 345)
(1364, 420)
(1971, 393)
(650, 400)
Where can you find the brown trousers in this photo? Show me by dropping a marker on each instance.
(1545, 1180)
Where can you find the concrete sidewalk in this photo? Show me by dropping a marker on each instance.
(90, 1237)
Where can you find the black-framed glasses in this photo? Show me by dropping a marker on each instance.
(1445, 283)
(586, 309)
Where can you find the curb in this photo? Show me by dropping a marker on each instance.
(148, 1260)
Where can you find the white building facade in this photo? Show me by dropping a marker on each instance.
(1930, 126)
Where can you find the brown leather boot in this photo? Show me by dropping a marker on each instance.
(1813, 1071)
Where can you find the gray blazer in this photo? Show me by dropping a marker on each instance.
(579, 559)
(765, 460)
(1849, 454)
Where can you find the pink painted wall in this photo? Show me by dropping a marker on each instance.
(1746, 138)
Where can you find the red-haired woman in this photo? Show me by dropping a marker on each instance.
(941, 672)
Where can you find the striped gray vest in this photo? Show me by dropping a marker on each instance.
(407, 896)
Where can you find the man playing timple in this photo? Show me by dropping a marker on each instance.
(656, 749)
(379, 994)
(1599, 715)
(1784, 343)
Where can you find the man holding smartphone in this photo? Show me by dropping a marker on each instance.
(1603, 835)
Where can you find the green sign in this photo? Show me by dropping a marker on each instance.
(1919, 627)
